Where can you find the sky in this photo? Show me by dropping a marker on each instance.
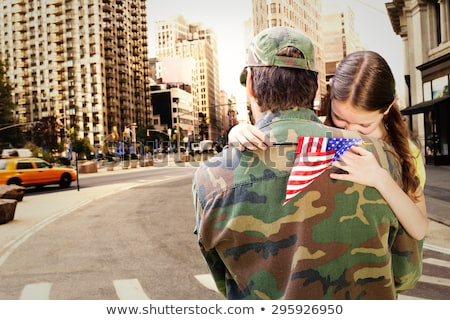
(226, 19)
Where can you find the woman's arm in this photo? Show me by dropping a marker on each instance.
(363, 168)
(246, 136)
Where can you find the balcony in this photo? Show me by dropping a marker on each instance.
(107, 8)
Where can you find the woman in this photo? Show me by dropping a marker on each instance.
(362, 98)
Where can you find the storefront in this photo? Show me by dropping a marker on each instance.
(436, 122)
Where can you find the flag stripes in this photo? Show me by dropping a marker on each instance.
(312, 157)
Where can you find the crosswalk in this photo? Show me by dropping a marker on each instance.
(131, 289)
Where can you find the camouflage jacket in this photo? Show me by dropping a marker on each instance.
(334, 240)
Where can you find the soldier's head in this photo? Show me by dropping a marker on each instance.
(280, 72)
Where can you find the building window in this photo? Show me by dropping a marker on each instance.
(427, 91)
(440, 87)
(437, 11)
(273, 8)
(435, 26)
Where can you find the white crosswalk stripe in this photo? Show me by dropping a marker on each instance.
(36, 291)
(207, 281)
(130, 289)
(435, 280)
(437, 262)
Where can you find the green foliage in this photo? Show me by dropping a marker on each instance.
(63, 161)
(45, 133)
(48, 156)
(35, 150)
(82, 147)
(109, 157)
(8, 135)
(6, 103)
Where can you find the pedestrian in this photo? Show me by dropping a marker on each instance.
(362, 98)
(334, 239)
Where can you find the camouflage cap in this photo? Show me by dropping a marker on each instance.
(264, 48)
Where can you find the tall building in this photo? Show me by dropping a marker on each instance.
(175, 37)
(424, 27)
(339, 35)
(303, 15)
(83, 61)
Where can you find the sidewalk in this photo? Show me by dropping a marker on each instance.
(437, 193)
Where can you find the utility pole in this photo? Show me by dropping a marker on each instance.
(177, 101)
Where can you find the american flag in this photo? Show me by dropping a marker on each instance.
(312, 157)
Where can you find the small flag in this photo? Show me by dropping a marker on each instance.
(312, 157)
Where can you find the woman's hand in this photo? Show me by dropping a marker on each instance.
(361, 167)
(246, 136)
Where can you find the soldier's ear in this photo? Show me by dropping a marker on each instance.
(250, 83)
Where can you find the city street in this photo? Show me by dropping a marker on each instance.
(133, 238)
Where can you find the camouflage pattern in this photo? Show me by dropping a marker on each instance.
(264, 48)
(335, 240)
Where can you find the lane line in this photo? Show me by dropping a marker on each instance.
(130, 289)
(36, 291)
(437, 262)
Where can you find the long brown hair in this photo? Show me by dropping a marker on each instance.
(364, 79)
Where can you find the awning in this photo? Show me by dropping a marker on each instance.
(425, 106)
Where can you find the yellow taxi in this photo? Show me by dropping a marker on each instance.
(34, 172)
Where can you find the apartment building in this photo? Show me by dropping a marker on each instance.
(339, 34)
(83, 61)
(424, 27)
(303, 15)
(175, 37)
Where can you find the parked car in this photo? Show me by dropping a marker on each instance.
(12, 153)
(204, 146)
(34, 172)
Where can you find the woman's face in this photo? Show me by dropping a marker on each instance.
(349, 117)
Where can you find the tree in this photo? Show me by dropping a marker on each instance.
(82, 147)
(11, 135)
(45, 134)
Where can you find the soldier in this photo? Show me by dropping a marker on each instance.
(333, 239)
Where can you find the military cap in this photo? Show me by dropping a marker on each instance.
(264, 48)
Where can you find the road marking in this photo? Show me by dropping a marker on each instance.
(405, 297)
(436, 248)
(36, 291)
(437, 262)
(130, 289)
(12, 245)
(207, 281)
(435, 280)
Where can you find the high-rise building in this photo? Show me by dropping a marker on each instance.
(339, 34)
(83, 61)
(303, 15)
(175, 37)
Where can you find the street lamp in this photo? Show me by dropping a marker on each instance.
(177, 100)
(133, 133)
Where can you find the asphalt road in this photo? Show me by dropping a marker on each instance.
(139, 237)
